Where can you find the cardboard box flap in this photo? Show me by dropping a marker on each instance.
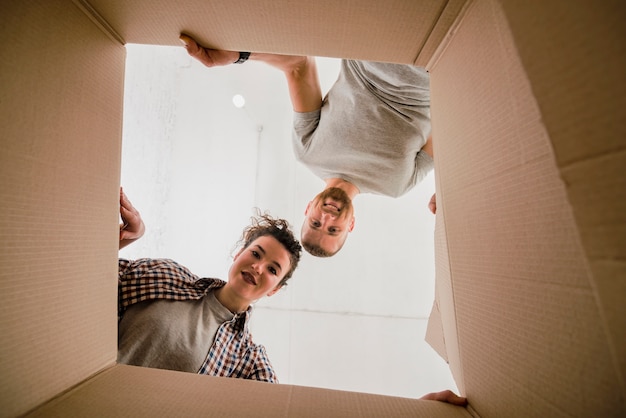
(576, 63)
(434, 331)
(530, 325)
(412, 29)
(527, 107)
(61, 121)
(442, 333)
(127, 391)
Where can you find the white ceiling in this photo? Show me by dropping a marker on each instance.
(195, 166)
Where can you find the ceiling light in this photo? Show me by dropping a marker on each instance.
(239, 101)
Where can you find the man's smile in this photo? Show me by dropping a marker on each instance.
(330, 205)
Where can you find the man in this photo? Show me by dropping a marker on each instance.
(370, 134)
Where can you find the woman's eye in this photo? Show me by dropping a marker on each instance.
(272, 270)
(256, 254)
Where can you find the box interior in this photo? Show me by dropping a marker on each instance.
(530, 184)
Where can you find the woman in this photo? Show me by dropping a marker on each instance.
(169, 318)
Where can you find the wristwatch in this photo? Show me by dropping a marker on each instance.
(243, 57)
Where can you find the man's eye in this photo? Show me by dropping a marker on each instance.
(316, 224)
(332, 229)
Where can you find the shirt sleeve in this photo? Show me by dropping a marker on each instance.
(161, 278)
(262, 369)
(423, 165)
(304, 126)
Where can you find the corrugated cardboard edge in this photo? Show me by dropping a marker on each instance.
(98, 20)
(459, 14)
(444, 26)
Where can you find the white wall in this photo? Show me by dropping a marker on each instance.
(195, 166)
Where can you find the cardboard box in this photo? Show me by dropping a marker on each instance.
(527, 108)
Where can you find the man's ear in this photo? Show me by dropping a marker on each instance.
(306, 211)
(351, 227)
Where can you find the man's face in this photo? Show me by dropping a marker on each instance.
(329, 217)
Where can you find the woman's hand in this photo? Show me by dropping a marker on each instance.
(132, 227)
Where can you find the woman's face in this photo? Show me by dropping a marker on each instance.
(258, 268)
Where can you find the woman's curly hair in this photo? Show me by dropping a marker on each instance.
(263, 225)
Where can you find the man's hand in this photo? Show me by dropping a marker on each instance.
(446, 396)
(432, 205)
(132, 227)
(207, 56)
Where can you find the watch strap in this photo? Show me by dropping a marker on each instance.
(243, 57)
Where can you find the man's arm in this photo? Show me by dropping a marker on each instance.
(301, 72)
(132, 227)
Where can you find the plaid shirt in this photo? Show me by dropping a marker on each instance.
(232, 354)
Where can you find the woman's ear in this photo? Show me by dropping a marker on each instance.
(274, 290)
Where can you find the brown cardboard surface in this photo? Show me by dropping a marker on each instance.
(530, 326)
(128, 391)
(577, 74)
(412, 28)
(530, 181)
(60, 117)
(434, 331)
(447, 341)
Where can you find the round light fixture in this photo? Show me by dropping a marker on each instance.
(239, 101)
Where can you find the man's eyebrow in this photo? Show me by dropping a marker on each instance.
(261, 249)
